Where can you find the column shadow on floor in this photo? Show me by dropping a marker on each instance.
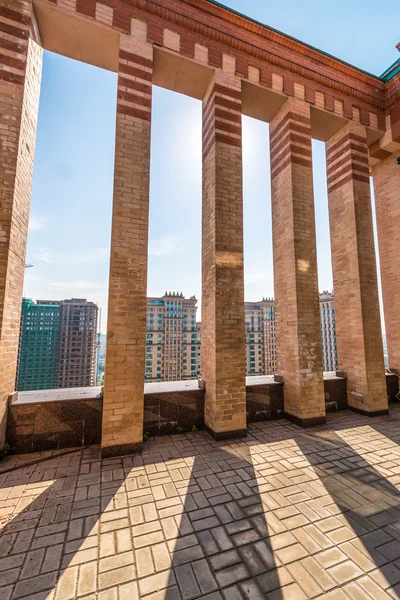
(220, 550)
(214, 518)
(40, 541)
(223, 548)
(366, 499)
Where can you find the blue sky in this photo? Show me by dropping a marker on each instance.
(69, 234)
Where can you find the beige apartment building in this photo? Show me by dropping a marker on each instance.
(260, 337)
(173, 345)
(172, 338)
(328, 331)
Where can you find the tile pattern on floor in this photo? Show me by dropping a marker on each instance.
(284, 514)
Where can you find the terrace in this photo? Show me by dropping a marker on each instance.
(238, 498)
(287, 513)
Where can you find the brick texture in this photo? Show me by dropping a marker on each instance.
(126, 336)
(299, 352)
(358, 326)
(386, 188)
(20, 73)
(223, 333)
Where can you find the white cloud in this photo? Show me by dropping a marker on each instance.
(77, 284)
(44, 255)
(37, 223)
(90, 257)
(165, 245)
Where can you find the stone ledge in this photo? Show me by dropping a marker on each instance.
(55, 419)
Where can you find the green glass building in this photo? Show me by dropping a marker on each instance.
(37, 362)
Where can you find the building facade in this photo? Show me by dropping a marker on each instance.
(328, 331)
(38, 345)
(76, 365)
(261, 356)
(172, 338)
(57, 344)
(260, 337)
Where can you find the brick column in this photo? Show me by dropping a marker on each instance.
(20, 74)
(358, 325)
(298, 337)
(387, 201)
(126, 335)
(223, 331)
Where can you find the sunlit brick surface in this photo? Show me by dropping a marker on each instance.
(298, 340)
(358, 329)
(20, 73)
(386, 189)
(284, 514)
(126, 335)
(223, 318)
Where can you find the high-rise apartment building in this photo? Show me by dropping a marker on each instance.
(57, 344)
(260, 337)
(328, 331)
(38, 343)
(77, 343)
(173, 338)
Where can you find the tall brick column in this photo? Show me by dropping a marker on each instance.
(223, 333)
(299, 352)
(387, 201)
(358, 325)
(126, 335)
(20, 74)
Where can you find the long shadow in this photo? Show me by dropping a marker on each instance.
(45, 518)
(369, 503)
(81, 526)
(223, 541)
(189, 518)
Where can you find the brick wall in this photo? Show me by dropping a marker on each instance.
(223, 333)
(386, 188)
(20, 73)
(358, 327)
(298, 340)
(126, 335)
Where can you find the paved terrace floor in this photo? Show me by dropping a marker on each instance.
(285, 514)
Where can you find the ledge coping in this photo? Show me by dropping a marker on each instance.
(92, 393)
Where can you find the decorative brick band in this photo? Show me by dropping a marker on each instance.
(86, 7)
(14, 36)
(222, 118)
(347, 160)
(135, 75)
(250, 47)
(290, 143)
(13, 15)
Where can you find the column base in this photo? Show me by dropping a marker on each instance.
(121, 450)
(309, 422)
(371, 413)
(226, 435)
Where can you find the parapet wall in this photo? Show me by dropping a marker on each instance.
(35, 426)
